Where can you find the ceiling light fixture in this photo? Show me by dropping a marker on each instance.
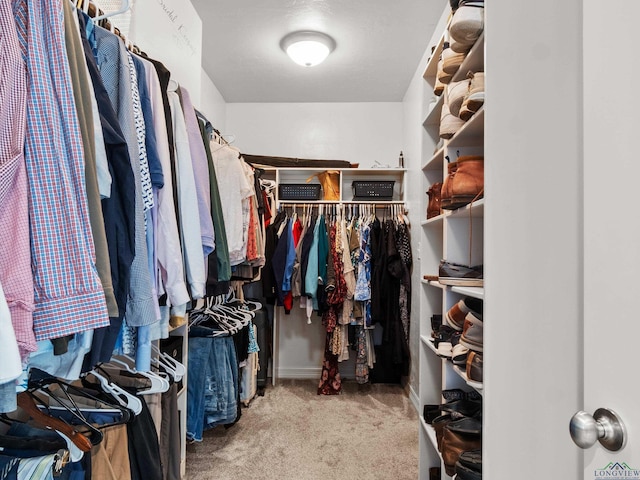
(308, 48)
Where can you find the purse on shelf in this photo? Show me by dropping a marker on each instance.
(330, 182)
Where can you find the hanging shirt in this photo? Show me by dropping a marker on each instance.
(201, 173)
(168, 251)
(187, 200)
(115, 72)
(234, 189)
(68, 293)
(15, 262)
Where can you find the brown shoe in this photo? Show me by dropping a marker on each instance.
(474, 366)
(445, 193)
(467, 184)
(433, 208)
(460, 436)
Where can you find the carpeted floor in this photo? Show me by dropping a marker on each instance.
(367, 433)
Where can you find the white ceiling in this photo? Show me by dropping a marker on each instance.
(379, 46)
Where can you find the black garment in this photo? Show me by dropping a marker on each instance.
(271, 242)
(118, 210)
(144, 448)
(279, 261)
(164, 75)
(170, 434)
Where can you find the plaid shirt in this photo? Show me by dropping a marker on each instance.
(15, 262)
(68, 293)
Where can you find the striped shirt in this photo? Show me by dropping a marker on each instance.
(68, 293)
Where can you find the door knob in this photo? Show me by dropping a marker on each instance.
(605, 426)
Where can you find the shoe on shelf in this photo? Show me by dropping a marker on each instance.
(462, 408)
(474, 99)
(449, 123)
(467, 184)
(435, 473)
(455, 274)
(455, 315)
(471, 459)
(430, 412)
(465, 473)
(456, 92)
(466, 25)
(436, 323)
(445, 192)
(442, 341)
(472, 332)
(451, 61)
(433, 207)
(459, 354)
(439, 424)
(474, 366)
(460, 436)
(441, 76)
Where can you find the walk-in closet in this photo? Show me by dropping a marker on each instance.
(317, 239)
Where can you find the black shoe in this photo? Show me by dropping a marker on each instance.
(455, 274)
(472, 459)
(464, 473)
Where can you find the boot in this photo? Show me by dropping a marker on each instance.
(445, 193)
(433, 208)
(468, 183)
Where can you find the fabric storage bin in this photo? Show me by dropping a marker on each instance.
(372, 189)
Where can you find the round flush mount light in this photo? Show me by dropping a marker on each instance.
(308, 48)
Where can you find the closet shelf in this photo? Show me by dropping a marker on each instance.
(428, 341)
(475, 292)
(433, 115)
(471, 134)
(432, 221)
(476, 209)
(477, 386)
(431, 71)
(435, 162)
(473, 62)
(431, 433)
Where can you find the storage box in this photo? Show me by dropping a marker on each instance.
(299, 191)
(373, 189)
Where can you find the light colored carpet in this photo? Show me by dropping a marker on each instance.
(293, 433)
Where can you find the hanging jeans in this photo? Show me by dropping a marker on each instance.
(212, 386)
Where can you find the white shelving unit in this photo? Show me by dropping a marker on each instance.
(300, 175)
(446, 236)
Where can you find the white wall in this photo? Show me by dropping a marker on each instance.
(357, 132)
(212, 104)
(170, 31)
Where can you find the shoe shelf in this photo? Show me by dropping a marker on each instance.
(477, 386)
(475, 209)
(435, 162)
(475, 292)
(431, 71)
(428, 341)
(473, 62)
(432, 221)
(471, 134)
(433, 116)
(430, 432)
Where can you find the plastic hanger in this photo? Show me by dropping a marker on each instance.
(123, 397)
(176, 369)
(158, 384)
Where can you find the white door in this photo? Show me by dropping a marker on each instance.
(612, 229)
